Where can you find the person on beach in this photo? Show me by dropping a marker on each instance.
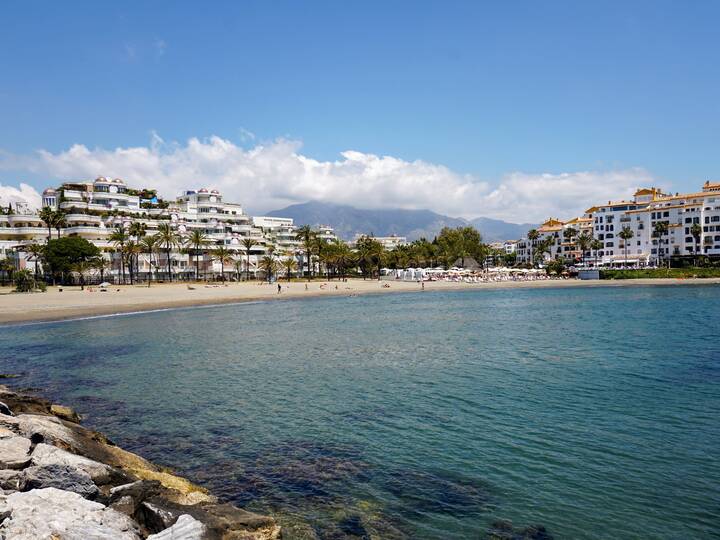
(422, 285)
(279, 288)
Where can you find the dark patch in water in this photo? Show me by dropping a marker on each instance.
(427, 492)
(353, 527)
(504, 530)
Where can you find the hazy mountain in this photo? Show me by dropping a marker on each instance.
(496, 230)
(349, 221)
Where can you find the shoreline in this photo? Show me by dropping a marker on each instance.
(59, 479)
(74, 304)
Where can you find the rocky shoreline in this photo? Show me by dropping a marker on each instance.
(60, 480)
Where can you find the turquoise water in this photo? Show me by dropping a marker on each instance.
(590, 412)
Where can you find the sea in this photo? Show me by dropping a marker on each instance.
(564, 413)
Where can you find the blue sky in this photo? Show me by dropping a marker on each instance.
(483, 89)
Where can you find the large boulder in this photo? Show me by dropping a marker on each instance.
(14, 451)
(61, 477)
(53, 513)
(45, 455)
(186, 528)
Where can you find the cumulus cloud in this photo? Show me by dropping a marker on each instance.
(22, 194)
(271, 175)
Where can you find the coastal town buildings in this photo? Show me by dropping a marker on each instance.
(648, 207)
(93, 210)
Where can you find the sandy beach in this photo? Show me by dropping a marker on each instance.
(72, 302)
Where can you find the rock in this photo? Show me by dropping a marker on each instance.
(10, 479)
(155, 516)
(45, 455)
(186, 528)
(221, 520)
(125, 505)
(9, 422)
(59, 476)
(23, 403)
(49, 428)
(66, 413)
(4, 409)
(14, 452)
(53, 513)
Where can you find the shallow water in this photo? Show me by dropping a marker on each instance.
(591, 412)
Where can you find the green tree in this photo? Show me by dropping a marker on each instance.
(596, 245)
(584, 241)
(101, 264)
(59, 221)
(370, 255)
(268, 264)
(659, 231)
(150, 245)
(289, 264)
(532, 235)
(223, 256)
(248, 244)
(168, 239)
(626, 235)
(62, 253)
(696, 232)
(47, 215)
(119, 237)
(307, 237)
(36, 254)
(197, 240)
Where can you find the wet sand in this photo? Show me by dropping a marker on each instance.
(72, 303)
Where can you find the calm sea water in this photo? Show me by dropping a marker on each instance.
(591, 412)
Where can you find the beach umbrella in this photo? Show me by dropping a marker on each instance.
(104, 284)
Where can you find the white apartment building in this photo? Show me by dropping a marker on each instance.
(94, 209)
(604, 222)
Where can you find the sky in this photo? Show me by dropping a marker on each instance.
(513, 110)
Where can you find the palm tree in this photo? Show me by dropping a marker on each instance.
(569, 234)
(696, 232)
(268, 264)
(545, 246)
(59, 221)
(659, 230)
(119, 237)
(168, 238)
(197, 239)
(237, 263)
(596, 245)
(47, 215)
(101, 264)
(584, 241)
(307, 237)
(626, 234)
(248, 244)
(223, 256)
(132, 252)
(289, 264)
(532, 235)
(150, 245)
(36, 253)
(81, 268)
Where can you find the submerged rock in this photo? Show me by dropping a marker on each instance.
(504, 530)
(59, 476)
(185, 528)
(53, 513)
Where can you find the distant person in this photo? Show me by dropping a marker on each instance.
(279, 288)
(422, 285)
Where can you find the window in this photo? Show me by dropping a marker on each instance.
(666, 214)
(609, 244)
(715, 219)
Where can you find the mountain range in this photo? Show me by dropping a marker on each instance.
(349, 221)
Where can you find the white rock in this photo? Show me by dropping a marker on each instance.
(45, 454)
(53, 513)
(14, 452)
(51, 428)
(185, 528)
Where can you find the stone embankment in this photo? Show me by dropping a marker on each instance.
(59, 480)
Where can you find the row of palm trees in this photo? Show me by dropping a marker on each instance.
(585, 242)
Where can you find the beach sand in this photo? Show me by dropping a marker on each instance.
(73, 303)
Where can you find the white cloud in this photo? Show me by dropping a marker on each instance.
(272, 175)
(24, 194)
